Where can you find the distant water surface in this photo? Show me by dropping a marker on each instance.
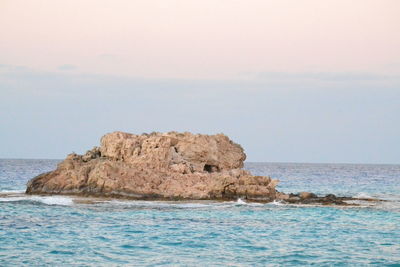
(60, 231)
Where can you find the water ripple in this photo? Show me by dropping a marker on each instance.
(37, 231)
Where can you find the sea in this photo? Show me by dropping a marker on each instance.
(68, 231)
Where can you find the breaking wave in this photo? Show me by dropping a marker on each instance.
(7, 196)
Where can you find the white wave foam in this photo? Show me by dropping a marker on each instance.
(276, 203)
(362, 195)
(12, 191)
(48, 200)
(162, 204)
(240, 202)
(183, 204)
(12, 199)
(55, 200)
(194, 205)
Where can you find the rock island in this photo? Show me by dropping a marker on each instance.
(165, 166)
(158, 166)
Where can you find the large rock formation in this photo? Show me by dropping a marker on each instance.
(158, 166)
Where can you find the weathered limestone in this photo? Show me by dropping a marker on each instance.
(158, 166)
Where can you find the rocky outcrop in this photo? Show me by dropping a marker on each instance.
(307, 198)
(158, 166)
(169, 166)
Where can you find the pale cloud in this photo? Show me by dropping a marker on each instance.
(67, 67)
(327, 76)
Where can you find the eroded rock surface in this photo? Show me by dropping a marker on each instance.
(158, 166)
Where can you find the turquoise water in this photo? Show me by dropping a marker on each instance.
(37, 231)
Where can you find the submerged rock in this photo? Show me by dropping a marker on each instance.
(329, 199)
(158, 166)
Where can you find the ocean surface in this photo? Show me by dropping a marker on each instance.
(66, 231)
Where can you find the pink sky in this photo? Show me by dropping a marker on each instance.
(201, 39)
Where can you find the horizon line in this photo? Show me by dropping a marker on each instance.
(270, 162)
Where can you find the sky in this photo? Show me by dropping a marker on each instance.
(291, 81)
